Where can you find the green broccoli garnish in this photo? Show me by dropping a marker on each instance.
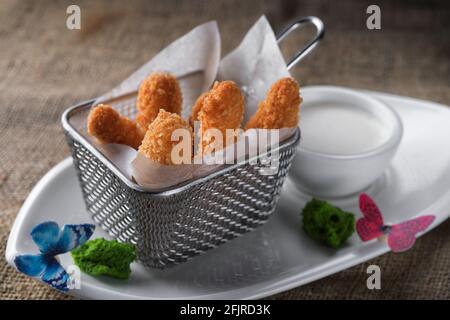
(103, 257)
(327, 224)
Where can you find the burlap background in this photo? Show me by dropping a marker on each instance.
(44, 68)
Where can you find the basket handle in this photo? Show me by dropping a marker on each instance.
(320, 31)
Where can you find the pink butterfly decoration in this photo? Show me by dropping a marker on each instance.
(400, 237)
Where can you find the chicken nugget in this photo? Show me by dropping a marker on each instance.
(281, 107)
(108, 126)
(196, 109)
(222, 108)
(157, 144)
(159, 91)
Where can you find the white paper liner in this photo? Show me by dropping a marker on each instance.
(195, 60)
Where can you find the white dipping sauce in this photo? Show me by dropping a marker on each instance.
(340, 130)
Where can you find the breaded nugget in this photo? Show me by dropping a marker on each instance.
(159, 91)
(108, 126)
(157, 144)
(222, 108)
(196, 109)
(281, 107)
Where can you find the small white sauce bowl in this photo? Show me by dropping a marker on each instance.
(330, 173)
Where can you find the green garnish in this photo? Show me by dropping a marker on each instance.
(327, 224)
(104, 257)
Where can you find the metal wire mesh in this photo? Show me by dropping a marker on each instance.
(168, 229)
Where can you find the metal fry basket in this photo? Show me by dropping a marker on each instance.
(171, 226)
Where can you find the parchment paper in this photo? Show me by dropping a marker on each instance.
(195, 60)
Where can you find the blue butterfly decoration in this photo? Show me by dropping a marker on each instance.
(52, 241)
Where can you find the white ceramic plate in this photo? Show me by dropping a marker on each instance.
(277, 256)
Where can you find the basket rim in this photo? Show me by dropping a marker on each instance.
(74, 134)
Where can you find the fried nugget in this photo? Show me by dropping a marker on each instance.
(281, 107)
(222, 108)
(108, 126)
(157, 144)
(196, 109)
(159, 91)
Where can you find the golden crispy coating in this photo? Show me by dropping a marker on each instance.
(281, 107)
(108, 126)
(196, 109)
(222, 108)
(157, 144)
(159, 91)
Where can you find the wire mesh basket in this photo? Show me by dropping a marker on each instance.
(169, 227)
